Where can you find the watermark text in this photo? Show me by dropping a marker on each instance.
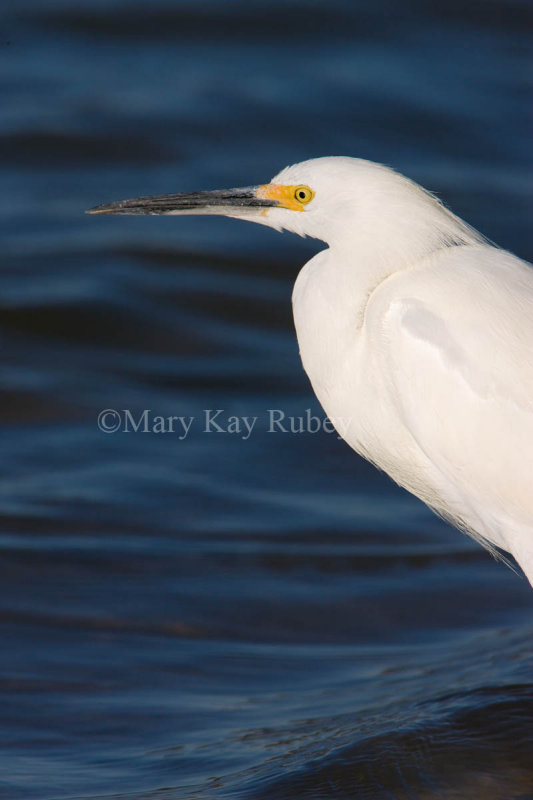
(220, 421)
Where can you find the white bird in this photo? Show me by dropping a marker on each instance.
(412, 326)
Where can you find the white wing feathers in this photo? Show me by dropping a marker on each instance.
(461, 374)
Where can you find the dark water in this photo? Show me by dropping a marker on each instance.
(212, 616)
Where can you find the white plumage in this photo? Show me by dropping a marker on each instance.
(419, 331)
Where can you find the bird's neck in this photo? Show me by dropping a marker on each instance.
(388, 236)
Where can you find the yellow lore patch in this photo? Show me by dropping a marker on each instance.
(295, 198)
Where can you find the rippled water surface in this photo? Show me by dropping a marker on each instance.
(214, 616)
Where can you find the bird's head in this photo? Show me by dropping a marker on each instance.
(311, 198)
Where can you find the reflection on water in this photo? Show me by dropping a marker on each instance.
(212, 616)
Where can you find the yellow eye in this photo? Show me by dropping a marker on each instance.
(303, 194)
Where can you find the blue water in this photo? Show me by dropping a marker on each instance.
(212, 616)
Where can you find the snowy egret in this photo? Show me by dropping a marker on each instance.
(412, 325)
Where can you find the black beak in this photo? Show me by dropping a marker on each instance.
(227, 202)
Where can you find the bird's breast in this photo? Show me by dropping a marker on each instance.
(344, 362)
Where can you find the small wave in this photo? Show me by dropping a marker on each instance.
(483, 751)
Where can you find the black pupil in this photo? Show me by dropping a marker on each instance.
(301, 195)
